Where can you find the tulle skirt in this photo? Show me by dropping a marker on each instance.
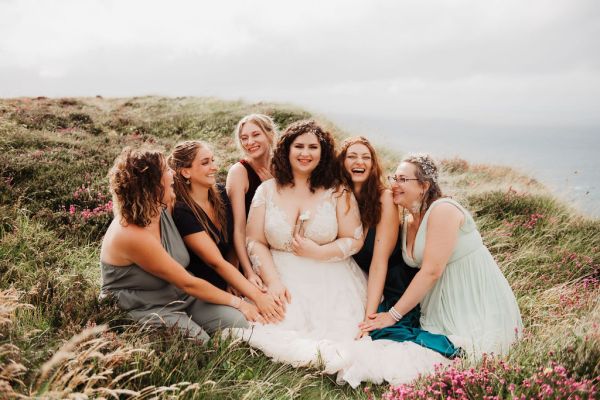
(328, 303)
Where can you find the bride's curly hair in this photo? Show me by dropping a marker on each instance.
(368, 199)
(325, 174)
(135, 185)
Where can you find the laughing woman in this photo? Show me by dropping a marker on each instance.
(462, 292)
(203, 216)
(143, 258)
(254, 135)
(381, 255)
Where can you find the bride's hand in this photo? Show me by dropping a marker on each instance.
(269, 308)
(305, 247)
(377, 321)
(250, 312)
(361, 334)
(280, 293)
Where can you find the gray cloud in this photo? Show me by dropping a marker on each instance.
(522, 62)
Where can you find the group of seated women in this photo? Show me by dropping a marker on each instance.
(307, 253)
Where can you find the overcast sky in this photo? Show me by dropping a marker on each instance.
(503, 62)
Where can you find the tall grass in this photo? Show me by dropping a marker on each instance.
(58, 341)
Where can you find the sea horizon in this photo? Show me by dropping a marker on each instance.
(562, 158)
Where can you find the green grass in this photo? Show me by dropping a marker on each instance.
(54, 157)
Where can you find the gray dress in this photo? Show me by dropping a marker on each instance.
(155, 302)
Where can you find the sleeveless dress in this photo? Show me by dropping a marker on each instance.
(398, 277)
(328, 303)
(253, 184)
(154, 302)
(472, 302)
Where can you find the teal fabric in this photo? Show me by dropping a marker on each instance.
(399, 276)
(408, 330)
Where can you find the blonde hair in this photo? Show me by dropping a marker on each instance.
(182, 157)
(264, 123)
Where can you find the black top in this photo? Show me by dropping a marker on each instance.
(187, 224)
(398, 275)
(253, 183)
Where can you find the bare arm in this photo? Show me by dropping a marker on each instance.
(143, 249)
(442, 234)
(386, 236)
(236, 186)
(205, 248)
(350, 234)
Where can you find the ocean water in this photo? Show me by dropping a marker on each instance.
(565, 159)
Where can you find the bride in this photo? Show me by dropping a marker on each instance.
(301, 233)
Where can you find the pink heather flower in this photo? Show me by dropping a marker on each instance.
(72, 209)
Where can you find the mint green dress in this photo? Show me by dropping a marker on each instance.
(472, 302)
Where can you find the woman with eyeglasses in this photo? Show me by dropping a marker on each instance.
(381, 255)
(462, 292)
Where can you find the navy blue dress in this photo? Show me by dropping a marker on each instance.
(399, 276)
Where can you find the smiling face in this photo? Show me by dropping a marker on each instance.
(409, 194)
(305, 153)
(203, 169)
(254, 141)
(358, 163)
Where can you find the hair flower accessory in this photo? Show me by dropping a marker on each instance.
(302, 218)
(425, 161)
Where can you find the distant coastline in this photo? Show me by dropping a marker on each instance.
(564, 159)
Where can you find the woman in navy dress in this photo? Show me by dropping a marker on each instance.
(381, 255)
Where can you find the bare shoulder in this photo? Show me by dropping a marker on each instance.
(386, 198)
(236, 175)
(342, 190)
(446, 212)
(121, 241)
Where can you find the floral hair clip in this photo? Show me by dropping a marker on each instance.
(426, 163)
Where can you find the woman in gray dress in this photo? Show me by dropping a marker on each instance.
(143, 257)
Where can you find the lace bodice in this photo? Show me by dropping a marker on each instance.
(321, 226)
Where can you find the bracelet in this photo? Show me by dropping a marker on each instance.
(395, 314)
(236, 302)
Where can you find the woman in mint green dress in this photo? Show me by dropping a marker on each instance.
(381, 255)
(462, 292)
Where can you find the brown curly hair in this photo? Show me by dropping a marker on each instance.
(368, 199)
(135, 185)
(182, 156)
(324, 175)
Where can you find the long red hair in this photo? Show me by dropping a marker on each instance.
(368, 198)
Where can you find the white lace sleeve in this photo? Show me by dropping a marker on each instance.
(254, 258)
(259, 198)
(350, 231)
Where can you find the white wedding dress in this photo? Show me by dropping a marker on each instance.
(328, 303)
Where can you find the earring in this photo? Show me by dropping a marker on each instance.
(187, 181)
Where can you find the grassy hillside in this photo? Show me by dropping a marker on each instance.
(56, 340)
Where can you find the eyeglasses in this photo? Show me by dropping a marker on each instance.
(399, 179)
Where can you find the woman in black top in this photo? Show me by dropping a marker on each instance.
(203, 217)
